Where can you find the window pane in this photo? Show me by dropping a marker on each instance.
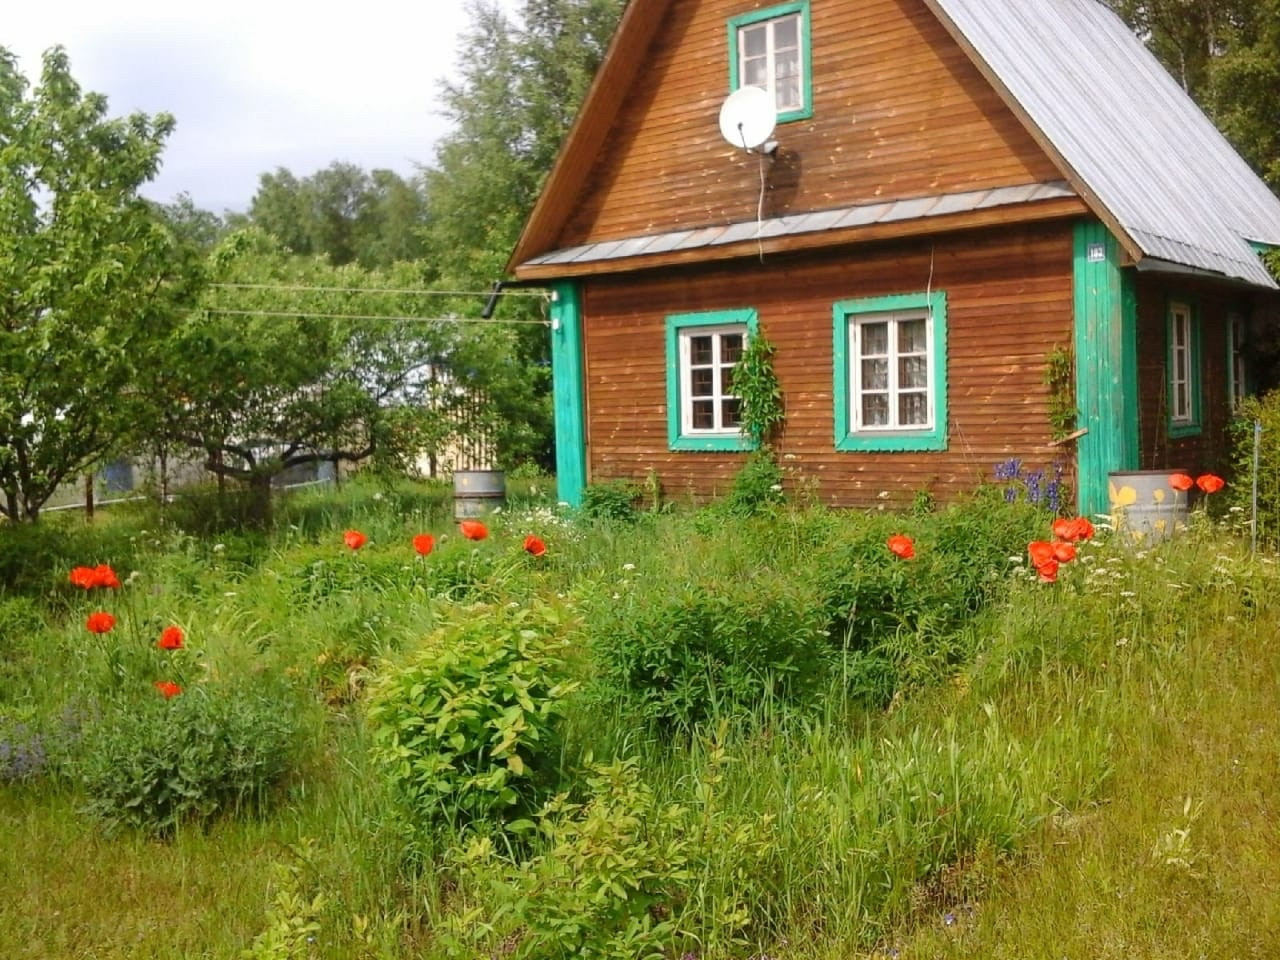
(703, 384)
(1181, 407)
(753, 40)
(875, 409)
(786, 32)
(700, 350)
(913, 410)
(731, 412)
(1180, 365)
(726, 380)
(730, 347)
(1179, 332)
(913, 372)
(787, 96)
(704, 414)
(875, 339)
(875, 375)
(912, 336)
(755, 73)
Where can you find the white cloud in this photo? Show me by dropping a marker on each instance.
(259, 85)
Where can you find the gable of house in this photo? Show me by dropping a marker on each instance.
(896, 111)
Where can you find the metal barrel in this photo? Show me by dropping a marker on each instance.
(478, 493)
(1144, 506)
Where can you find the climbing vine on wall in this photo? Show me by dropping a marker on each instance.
(1060, 378)
(756, 385)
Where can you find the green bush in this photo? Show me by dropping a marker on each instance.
(612, 501)
(711, 648)
(468, 728)
(157, 763)
(1239, 493)
(757, 487)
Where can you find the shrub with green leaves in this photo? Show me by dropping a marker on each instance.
(161, 761)
(612, 501)
(1266, 411)
(714, 647)
(467, 728)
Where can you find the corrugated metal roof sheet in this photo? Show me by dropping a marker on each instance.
(1128, 131)
(800, 223)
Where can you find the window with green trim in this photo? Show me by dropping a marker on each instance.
(1237, 359)
(703, 412)
(770, 49)
(891, 372)
(1184, 370)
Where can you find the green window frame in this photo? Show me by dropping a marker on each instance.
(1183, 362)
(713, 326)
(849, 319)
(748, 31)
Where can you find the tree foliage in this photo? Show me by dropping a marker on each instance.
(341, 213)
(90, 279)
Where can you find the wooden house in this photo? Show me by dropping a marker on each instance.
(960, 191)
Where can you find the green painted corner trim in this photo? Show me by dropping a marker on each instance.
(568, 392)
(934, 438)
(806, 55)
(1195, 427)
(676, 440)
(1105, 335)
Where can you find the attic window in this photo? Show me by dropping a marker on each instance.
(770, 49)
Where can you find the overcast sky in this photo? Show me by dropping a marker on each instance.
(257, 85)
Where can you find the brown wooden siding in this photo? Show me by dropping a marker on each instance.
(1009, 302)
(898, 111)
(1211, 303)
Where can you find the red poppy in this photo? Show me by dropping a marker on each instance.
(534, 545)
(168, 688)
(424, 543)
(172, 638)
(1041, 552)
(902, 546)
(1078, 528)
(1062, 528)
(90, 577)
(473, 529)
(1048, 571)
(354, 539)
(1064, 551)
(1210, 482)
(1180, 482)
(100, 622)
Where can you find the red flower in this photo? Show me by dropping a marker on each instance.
(354, 539)
(100, 622)
(1180, 481)
(1048, 571)
(171, 639)
(168, 688)
(1078, 528)
(534, 545)
(424, 543)
(1062, 528)
(90, 577)
(1064, 551)
(473, 529)
(1210, 482)
(1041, 552)
(902, 546)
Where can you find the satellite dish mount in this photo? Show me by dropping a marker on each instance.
(747, 119)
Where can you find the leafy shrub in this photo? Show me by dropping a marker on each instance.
(712, 647)
(1264, 410)
(613, 501)
(467, 729)
(756, 487)
(160, 762)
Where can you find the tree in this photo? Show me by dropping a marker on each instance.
(341, 213)
(90, 280)
(290, 361)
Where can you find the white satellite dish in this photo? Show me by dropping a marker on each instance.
(747, 117)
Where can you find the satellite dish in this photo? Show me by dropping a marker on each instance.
(747, 117)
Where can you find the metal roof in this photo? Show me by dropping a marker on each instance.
(801, 223)
(1125, 129)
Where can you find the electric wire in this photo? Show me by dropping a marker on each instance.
(307, 314)
(423, 293)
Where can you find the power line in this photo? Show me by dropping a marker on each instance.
(300, 314)
(541, 294)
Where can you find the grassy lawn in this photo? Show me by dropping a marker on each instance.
(783, 735)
